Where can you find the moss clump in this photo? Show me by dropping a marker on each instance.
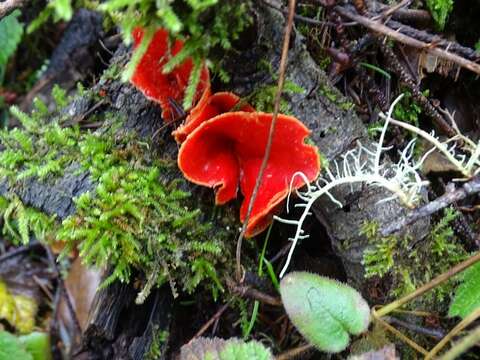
(263, 98)
(135, 219)
(335, 97)
(414, 264)
(155, 351)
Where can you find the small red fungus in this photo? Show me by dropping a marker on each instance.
(165, 88)
(226, 152)
(207, 108)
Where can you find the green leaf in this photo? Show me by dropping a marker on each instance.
(63, 9)
(37, 344)
(10, 35)
(238, 350)
(219, 349)
(440, 9)
(12, 348)
(323, 310)
(467, 296)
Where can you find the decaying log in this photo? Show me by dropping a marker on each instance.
(121, 329)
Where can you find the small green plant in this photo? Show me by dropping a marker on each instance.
(206, 26)
(34, 346)
(263, 98)
(380, 259)
(440, 10)
(411, 266)
(325, 311)
(408, 110)
(21, 222)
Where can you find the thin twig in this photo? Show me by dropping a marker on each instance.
(7, 6)
(398, 334)
(436, 334)
(378, 27)
(451, 196)
(409, 82)
(210, 322)
(268, 148)
(391, 10)
(294, 353)
(247, 291)
(440, 42)
(456, 330)
(408, 15)
(463, 345)
(305, 19)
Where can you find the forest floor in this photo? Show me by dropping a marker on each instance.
(318, 198)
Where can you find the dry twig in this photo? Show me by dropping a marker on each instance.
(7, 6)
(268, 148)
(382, 29)
(209, 323)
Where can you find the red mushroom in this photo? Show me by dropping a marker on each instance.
(226, 152)
(207, 108)
(165, 88)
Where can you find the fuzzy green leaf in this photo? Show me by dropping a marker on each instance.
(467, 296)
(219, 349)
(323, 310)
(12, 348)
(10, 35)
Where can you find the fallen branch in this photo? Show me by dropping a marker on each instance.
(451, 196)
(439, 42)
(7, 6)
(431, 48)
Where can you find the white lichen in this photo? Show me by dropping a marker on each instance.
(364, 165)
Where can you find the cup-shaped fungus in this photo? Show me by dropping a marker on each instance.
(165, 88)
(226, 153)
(207, 108)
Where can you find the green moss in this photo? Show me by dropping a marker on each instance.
(332, 95)
(412, 264)
(264, 97)
(407, 109)
(21, 222)
(155, 351)
(134, 221)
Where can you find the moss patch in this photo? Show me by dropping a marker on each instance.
(135, 219)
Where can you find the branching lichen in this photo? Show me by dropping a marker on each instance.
(402, 180)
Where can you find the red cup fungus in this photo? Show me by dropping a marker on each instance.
(223, 140)
(226, 152)
(207, 108)
(162, 88)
